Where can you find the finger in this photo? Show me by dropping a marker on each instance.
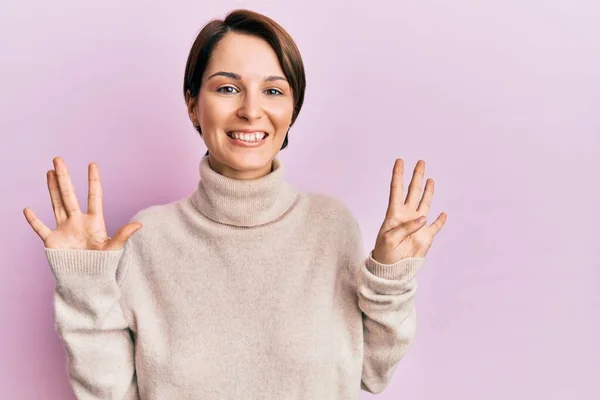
(123, 234)
(400, 233)
(38, 226)
(67, 191)
(94, 191)
(396, 199)
(425, 203)
(60, 214)
(438, 223)
(416, 183)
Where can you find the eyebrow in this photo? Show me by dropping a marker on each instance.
(235, 76)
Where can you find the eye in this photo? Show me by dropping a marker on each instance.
(227, 90)
(273, 92)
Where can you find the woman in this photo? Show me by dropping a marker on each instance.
(247, 288)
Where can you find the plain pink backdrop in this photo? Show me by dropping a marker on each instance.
(501, 98)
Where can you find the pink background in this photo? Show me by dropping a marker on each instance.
(500, 98)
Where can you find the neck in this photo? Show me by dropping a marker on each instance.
(232, 173)
(243, 203)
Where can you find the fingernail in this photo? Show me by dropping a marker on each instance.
(421, 220)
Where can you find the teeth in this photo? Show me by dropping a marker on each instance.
(248, 137)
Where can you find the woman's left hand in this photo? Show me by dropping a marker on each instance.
(403, 234)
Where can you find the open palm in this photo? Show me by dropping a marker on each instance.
(404, 233)
(74, 229)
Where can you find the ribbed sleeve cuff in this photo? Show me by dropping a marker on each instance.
(86, 262)
(405, 269)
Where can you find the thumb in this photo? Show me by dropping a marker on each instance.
(408, 228)
(123, 234)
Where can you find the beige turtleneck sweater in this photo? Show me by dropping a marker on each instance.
(243, 290)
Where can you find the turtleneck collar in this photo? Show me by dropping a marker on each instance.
(244, 203)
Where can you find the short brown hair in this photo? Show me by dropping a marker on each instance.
(250, 23)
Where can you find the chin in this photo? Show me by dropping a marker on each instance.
(250, 163)
(247, 161)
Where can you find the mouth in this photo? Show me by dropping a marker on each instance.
(248, 137)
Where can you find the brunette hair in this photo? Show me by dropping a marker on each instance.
(250, 23)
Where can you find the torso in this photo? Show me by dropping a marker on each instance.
(227, 311)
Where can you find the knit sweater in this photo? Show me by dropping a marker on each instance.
(245, 289)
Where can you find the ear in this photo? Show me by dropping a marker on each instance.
(191, 106)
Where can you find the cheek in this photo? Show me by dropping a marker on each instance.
(282, 115)
(211, 112)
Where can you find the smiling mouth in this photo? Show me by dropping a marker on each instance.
(251, 137)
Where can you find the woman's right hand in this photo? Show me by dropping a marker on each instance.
(76, 230)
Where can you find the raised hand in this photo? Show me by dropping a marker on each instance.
(75, 229)
(404, 232)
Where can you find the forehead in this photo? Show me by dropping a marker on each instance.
(244, 55)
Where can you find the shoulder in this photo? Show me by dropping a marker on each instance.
(331, 209)
(154, 214)
(332, 221)
(159, 221)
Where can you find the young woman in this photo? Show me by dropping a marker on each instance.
(247, 288)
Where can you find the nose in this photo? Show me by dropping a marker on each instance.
(250, 108)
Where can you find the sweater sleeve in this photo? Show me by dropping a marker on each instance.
(386, 298)
(90, 321)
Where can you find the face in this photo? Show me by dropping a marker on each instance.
(244, 107)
